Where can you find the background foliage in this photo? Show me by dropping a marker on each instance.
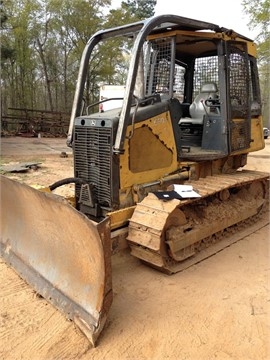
(259, 15)
(42, 42)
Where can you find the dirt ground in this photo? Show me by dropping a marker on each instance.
(217, 309)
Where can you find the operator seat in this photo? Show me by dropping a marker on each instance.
(198, 109)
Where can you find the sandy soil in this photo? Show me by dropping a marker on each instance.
(217, 309)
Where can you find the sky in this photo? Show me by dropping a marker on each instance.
(227, 13)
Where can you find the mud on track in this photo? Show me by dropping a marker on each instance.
(217, 309)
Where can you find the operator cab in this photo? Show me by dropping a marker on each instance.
(215, 81)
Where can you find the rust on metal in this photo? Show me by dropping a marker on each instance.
(59, 252)
(166, 233)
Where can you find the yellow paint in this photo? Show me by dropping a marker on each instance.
(257, 140)
(252, 49)
(41, 188)
(152, 152)
(120, 217)
(192, 34)
(70, 199)
(251, 46)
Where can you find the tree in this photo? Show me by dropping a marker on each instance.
(258, 11)
(141, 9)
(130, 11)
(18, 68)
(42, 42)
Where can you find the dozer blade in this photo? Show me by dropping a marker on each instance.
(64, 256)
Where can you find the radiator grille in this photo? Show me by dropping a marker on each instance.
(92, 161)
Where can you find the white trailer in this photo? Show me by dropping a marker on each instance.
(114, 94)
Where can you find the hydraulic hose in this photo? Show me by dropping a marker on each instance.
(66, 181)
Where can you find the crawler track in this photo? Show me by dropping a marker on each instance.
(173, 235)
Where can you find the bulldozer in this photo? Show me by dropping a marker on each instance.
(190, 115)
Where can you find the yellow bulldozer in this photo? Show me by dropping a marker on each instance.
(163, 175)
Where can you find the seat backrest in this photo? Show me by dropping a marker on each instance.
(197, 108)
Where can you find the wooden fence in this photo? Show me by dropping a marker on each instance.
(29, 122)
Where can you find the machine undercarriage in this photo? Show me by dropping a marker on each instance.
(165, 233)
